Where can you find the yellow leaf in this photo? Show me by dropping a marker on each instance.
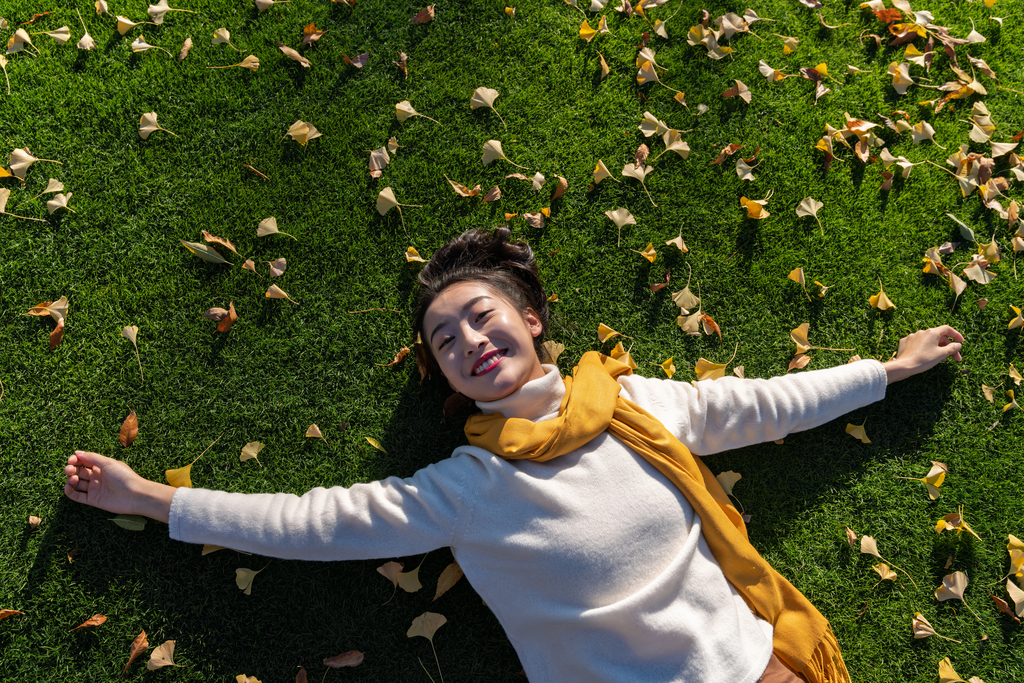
(553, 298)
(728, 479)
(857, 432)
(426, 625)
(799, 337)
(181, 477)
(313, 432)
(412, 255)
(886, 573)
(376, 444)
(390, 570)
(880, 300)
(244, 577)
(620, 354)
(511, 11)
(678, 243)
(275, 292)
(449, 577)
(947, 674)
(250, 451)
(302, 132)
(649, 253)
(604, 333)
(797, 275)
(551, 351)
(669, 367)
(205, 252)
(1018, 321)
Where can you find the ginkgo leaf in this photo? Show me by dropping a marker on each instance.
(59, 201)
(857, 432)
(947, 674)
(604, 67)
(268, 226)
(810, 207)
(651, 125)
(20, 161)
(424, 15)
(4, 613)
(739, 90)
(251, 62)
(292, 54)
(620, 354)
(560, 188)
(885, 572)
(901, 79)
(1017, 595)
(534, 219)
(130, 522)
(685, 299)
(302, 132)
(86, 43)
(205, 252)
(669, 367)
(94, 620)
(851, 536)
(678, 243)
(601, 172)
(924, 131)
(604, 333)
(57, 335)
(933, 480)
(412, 255)
(728, 479)
(275, 292)
(449, 577)
(620, 217)
(798, 362)
(129, 429)
(649, 253)
(310, 34)
(538, 180)
(880, 300)
(1018, 321)
(755, 208)
(138, 646)
(162, 655)
(493, 151)
(124, 24)
(57, 310)
(148, 124)
(244, 577)
(263, 5)
(868, 546)
(484, 97)
(404, 110)
(344, 660)
(639, 172)
(101, 7)
(952, 588)
(551, 350)
(250, 451)
(390, 570)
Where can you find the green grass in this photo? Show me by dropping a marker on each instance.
(282, 367)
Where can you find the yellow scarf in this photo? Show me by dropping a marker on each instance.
(803, 638)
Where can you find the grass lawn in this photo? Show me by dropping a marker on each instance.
(119, 261)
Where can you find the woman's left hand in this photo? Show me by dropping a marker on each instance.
(922, 351)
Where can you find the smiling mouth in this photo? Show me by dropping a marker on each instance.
(489, 361)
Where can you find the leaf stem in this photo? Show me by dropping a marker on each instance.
(499, 117)
(158, 128)
(525, 168)
(204, 453)
(420, 660)
(438, 661)
(434, 120)
(648, 194)
(12, 215)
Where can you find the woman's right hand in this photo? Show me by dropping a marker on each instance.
(111, 485)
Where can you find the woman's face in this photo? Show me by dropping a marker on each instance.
(482, 344)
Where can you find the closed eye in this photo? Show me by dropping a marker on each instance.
(482, 315)
(444, 342)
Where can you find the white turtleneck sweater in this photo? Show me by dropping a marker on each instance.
(593, 562)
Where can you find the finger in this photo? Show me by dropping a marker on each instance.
(949, 332)
(85, 473)
(74, 495)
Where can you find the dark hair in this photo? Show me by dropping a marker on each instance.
(490, 258)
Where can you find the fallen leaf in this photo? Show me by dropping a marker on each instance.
(851, 536)
(275, 292)
(57, 310)
(534, 220)
(620, 354)
(34, 522)
(857, 432)
(138, 646)
(345, 659)
(811, 207)
(649, 253)
(933, 480)
(1017, 595)
(206, 253)
(604, 333)
(550, 351)
(162, 655)
(426, 625)
(293, 54)
(484, 97)
(449, 577)
(885, 572)
(129, 429)
(376, 444)
(740, 90)
(424, 15)
(493, 195)
(124, 24)
(728, 479)
(148, 124)
(493, 151)
(314, 433)
(359, 61)
(185, 48)
(390, 571)
(57, 335)
(947, 674)
(952, 588)
(302, 132)
(678, 243)
(411, 255)
(310, 34)
(669, 367)
(277, 267)
(560, 188)
(94, 620)
(4, 613)
(798, 362)
(268, 226)
(250, 451)
(244, 577)
(955, 521)
(402, 353)
(228, 319)
(620, 217)
(728, 150)
(880, 300)
(1004, 606)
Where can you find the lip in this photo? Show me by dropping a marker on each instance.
(484, 358)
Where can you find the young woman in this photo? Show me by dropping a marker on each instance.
(607, 551)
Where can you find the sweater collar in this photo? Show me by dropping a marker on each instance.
(536, 400)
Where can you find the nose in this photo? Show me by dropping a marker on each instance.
(473, 340)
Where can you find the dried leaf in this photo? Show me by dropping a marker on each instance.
(885, 572)
(138, 646)
(293, 54)
(798, 362)
(534, 220)
(345, 659)
(185, 48)
(402, 353)
(244, 577)
(376, 444)
(494, 194)
(207, 237)
(162, 655)
(313, 432)
(424, 15)
(34, 522)
(740, 90)
(728, 150)
(947, 674)
(250, 451)
(206, 253)
(302, 132)
(57, 335)
(604, 333)
(551, 350)
(493, 151)
(228, 320)
(649, 253)
(268, 226)
(4, 613)
(669, 367)
(310, 34)
(560, 188)
(129, 429)
(94, 620)
(57, 310)
(391, 570)
(277, 267)
(359, 61)
(851, 536)
(728, 479)
(147, 125)
(799, 337)
(275, 292)
(880, 300)
(953, 587)
(449, 577)
(869, 547)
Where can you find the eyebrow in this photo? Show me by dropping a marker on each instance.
(465, 307)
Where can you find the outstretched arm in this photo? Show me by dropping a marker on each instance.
(922, 351)
(111, 485)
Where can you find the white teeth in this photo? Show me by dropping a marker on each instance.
(489, 362)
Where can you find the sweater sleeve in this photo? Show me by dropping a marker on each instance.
(388, 518)
(718, 415)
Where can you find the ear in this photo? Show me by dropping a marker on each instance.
(533, 322)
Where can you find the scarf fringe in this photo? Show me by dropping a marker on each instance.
(826, 663)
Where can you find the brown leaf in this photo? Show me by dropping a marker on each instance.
(248, 265)
(402, 353)
(534, 220)
(799, 361)
(1004, 607)
(94, 620)
(228, 320)
(207, 237)
(36, 17)
(889, 16)
(739, 89)
(74, 552)
(278, 266)
(345, 659)
(139, 645)
(301, 677)
(449, 577)
(455, 403)
(4, 613)
(424, 15)
(401, 63)
(493, 195)
(34, 522)
(641, 155)
(129, 429)
(560, 188)
(57, 335)
(310, 34)
(291, 53)
(711, 327)
(727, 151)
(886, 181)
(359, 61)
